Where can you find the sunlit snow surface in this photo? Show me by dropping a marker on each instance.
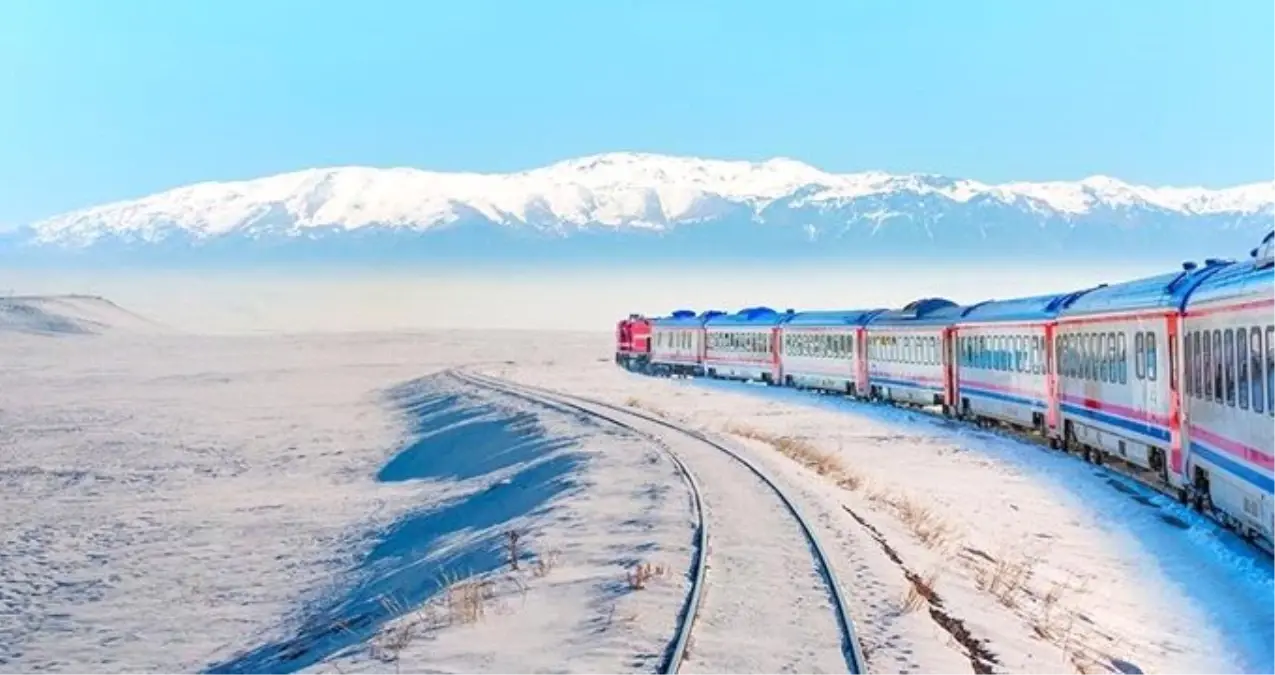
(180, 503)
(1212, 569)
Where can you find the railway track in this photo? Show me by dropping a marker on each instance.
(762, 591)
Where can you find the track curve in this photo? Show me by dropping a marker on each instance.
(850, 648)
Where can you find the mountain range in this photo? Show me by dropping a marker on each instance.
(644, 207)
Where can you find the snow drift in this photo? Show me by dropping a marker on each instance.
(69, 315)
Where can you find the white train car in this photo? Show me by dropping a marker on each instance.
(744, 345)
(826, 350)
(677, 343)
(908, 352)
(1229, 393)
(1118, 389)
(1005, 369)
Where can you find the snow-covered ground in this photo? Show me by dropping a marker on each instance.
(327, 503)
(1053, 563)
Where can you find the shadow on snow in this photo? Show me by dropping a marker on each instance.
(457, 438)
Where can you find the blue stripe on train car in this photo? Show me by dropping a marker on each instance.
(1008, 398)
(914, 384)
(1135, 426)
(1263, 482)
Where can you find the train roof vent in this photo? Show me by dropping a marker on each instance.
(924, 306)
(1188, 265)
(754, 312)
(1264, 254)
(683, 314)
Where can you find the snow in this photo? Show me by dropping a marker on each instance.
(615, 190)
(69, 314)
(273, 503)
(1138, 577)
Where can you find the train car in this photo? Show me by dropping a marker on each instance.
(908, 352)
(1004, 365)
(744, 345)
(633, 342)
(677, 343)
(826, 350)
(1118, 388)
(1228, 336)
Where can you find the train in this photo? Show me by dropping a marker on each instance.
(1171, 378)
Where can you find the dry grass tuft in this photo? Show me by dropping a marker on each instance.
(544, 565)
(805, 453)
(635, 402)
(466, 600)
(512, 537)
(1006, 579)
(920, 591)
(929, 527)
(641, 574)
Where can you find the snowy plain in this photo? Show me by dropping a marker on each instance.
(306, 502)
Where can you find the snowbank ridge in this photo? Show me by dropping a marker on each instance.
(69, 315)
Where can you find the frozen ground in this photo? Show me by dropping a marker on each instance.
(179, 503)
(1054, 564)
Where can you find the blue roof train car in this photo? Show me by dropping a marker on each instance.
(758, 317)
(833, 318)
(1020, 310)
(1163, 291)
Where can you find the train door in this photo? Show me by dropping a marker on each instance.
(1051, 380)
(949, 368)
(1172, 330)
(775, 364)
(861, 352)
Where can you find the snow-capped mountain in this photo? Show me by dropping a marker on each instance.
(647, 203)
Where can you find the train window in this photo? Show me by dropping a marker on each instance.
(1122, 357)
(1139, 355)
(1152, 364)
(1082, 353)
(1219, 385)
(1253, 353)
(1209, 391)
(1197, 370)
(1104, 362)
(1270, 370)
(1113, 363)
(1241, 369)
(1020, 353)
(1228, 343)
(1002, 354)
(1200, 366)
(1190, 360)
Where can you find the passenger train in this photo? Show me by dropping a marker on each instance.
(1171, 376)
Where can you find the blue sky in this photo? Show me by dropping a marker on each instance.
(112, 100)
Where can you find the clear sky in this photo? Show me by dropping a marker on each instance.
(105, 100)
